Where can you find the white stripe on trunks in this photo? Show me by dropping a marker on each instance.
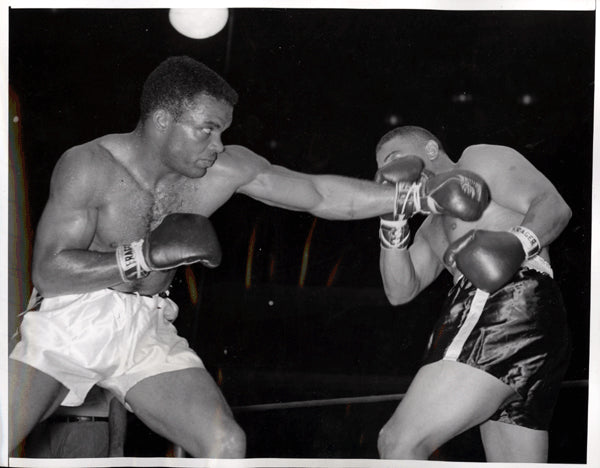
(477, 305)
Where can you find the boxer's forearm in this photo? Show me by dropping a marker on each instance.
(326, 196)
(400, 280)
(346, 198)
(75, 271)
(547, 217)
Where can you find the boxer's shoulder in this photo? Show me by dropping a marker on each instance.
(90, 168)
(482, 155)
(91, 156)
(238, 166)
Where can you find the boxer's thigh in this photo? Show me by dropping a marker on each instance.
(186, 407)
(444, 399)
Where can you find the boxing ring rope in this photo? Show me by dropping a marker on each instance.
(351, 400)
(179, 452)
(316, 403)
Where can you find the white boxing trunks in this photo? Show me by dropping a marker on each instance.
(106, 337)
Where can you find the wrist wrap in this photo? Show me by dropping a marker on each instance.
(131, 262)
(394, 233)
(529, 241)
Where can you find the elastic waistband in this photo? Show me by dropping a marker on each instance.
(536, 263)
(163, 294)
(76, 419)
(539, 264)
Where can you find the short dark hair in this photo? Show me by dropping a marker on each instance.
(411, 132)
(178, 80)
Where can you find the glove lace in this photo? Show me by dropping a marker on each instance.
(412, 196)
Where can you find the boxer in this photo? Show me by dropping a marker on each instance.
(501, 346)
(124, 211)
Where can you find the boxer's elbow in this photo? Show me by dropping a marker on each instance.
(396, 300)
(44, 278)
(397, 296)
(40, 282)
(564, 212)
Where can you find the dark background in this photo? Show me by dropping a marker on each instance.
(317, 90)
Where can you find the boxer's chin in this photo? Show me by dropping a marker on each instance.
(197, 172)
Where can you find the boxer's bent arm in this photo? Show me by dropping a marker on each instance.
(325, 196)
(516, 184)
(547, 216)
(405, 273)
(61, 262)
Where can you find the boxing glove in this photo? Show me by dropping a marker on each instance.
(489, 259)
(180, 239)
(400, 169)
(394, 232)
(458, 193)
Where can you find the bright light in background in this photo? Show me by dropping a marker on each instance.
(462, 97)
(392, 119)
(526, 99)
(198, 23)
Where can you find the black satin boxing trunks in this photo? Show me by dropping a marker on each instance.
(519, 335)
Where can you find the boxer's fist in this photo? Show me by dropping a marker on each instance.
(401, 169)
(180, 239)
(488, 259)
(459, 193)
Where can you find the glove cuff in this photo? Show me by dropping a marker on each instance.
(131, 262)
(529, 241)
(394, 233)
(408, 199)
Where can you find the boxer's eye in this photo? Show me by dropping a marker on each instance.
(393, 155)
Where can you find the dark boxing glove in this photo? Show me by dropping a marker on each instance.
(180, 239)
(458, 193)
(489, 259)
(394, 232)
(400, 169)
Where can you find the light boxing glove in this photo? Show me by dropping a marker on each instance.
(180, 239)
(489, 259)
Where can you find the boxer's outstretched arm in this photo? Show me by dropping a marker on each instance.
(326, 196)
(406, 272)
(65, 232)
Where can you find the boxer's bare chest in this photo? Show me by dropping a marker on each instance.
(128, 209)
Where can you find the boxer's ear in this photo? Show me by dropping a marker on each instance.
(432, 149)
(161, 119)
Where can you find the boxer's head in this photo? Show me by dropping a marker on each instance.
(177, 82)
(408, 140)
